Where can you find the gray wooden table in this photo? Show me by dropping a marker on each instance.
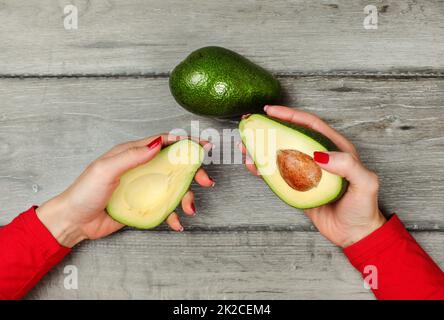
(66, 96)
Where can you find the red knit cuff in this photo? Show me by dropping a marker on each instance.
(376, 242)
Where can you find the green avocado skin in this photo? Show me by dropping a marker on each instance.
(217, 82)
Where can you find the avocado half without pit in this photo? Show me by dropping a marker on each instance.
(146, 195)
(283, 155)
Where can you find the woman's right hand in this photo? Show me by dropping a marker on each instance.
(356, 214)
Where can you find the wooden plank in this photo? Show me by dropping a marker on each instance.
(214, 265)
(50, 129)
(152, 36)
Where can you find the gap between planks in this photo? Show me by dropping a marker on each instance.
(239, 229)
(411, 227)
(331, 74)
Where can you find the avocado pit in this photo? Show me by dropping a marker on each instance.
(298, 169)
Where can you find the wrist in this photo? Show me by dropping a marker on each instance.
(54, 214)
(360, 232)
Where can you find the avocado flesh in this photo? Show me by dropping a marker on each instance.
(146, 195)
(214, 81)
(264, 137)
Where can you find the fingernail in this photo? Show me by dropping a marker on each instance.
(181, 229)
(193, 208)
(209, 146)
(154, 143)
(321, 157)
(246, 116)
(265, 108)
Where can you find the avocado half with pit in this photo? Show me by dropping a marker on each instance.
(283, 155)
(146, 195)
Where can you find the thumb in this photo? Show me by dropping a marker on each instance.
(132, 157)
(347, 166)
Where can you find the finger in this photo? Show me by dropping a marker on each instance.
(114, 166)
(348, 166)
(167, 139)
(249, 163)
(313, 122)
(109, 225)
(188, 203)
(242, 147)
(132, 144)
(174, 222)
(170, 139)
(314, 214)
(203, 179)
(311, 214)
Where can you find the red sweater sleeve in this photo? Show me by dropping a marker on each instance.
(395, 265)
(27, 252)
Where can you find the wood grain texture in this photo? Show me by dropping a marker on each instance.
(50, 129)
(214, 265)
(152, 36)
(244, 242)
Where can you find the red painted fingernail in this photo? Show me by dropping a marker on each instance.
(321, 157)
(193, 208)
(154, 143)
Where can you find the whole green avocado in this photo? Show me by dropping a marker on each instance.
(217, 82)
